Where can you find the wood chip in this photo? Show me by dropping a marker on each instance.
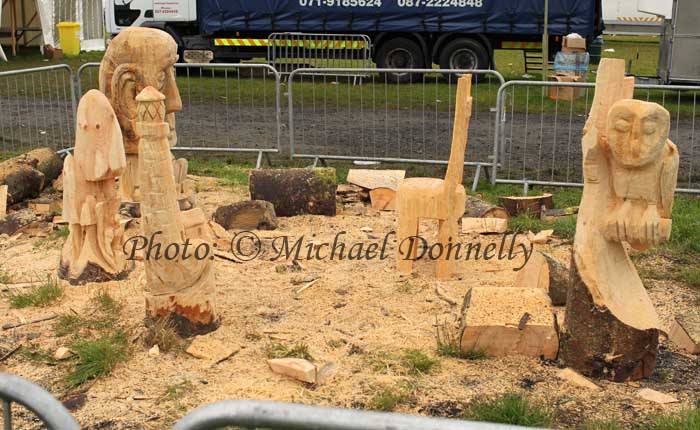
(577, 379)
(10, 326)
(306, 287)
(656, 396)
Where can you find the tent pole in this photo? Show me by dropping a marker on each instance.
(13, 26)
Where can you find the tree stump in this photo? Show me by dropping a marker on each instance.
(477, 208)
(296, 191)
(527, 205)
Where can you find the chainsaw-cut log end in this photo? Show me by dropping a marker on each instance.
(597, 344)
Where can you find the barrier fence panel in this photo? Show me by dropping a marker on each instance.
(251, 414)
(37, 108)
(225, 107)
(332, 116)
(541, 126)
(33, 399)
(287, 52)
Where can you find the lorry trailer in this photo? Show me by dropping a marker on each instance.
(453, 34)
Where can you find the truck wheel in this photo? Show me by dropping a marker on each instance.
(463, 54)
(401, 53)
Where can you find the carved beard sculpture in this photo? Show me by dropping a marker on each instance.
(135, 59)
(644, 166)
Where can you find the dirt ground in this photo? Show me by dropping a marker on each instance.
(356, 312)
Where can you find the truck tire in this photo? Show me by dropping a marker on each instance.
(401, 53)
(463, 54)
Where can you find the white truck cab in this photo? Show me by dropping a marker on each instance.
(121, 14)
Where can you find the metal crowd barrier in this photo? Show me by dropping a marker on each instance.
(225, 107)
(287, 52)
(288, 416)
(37, 108)
(34, 398)
(539, 138)
(333, 117)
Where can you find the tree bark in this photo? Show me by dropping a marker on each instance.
(296, 191)
(559, 279)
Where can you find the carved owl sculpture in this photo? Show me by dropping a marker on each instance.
(644, 167)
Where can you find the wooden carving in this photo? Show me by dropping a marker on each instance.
(180, 285)
(439, 199)
(136, 58)
(93, 251)
(630, 171)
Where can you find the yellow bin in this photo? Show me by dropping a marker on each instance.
(69, 36)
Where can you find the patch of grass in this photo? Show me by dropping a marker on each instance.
(105, 303)
(279, 350)
(227, 169)
(685, 235)
(164, 334)
(97, 358)
(40, 296)
(405, 287)
(54, 236)
(5, 276)
(511, 409)
(448, 344)
(390, 397)
(523, 223)
(687, 419)
(176, 391)
(565, 228)
(610, 424)
(691, 276)
(67, 324)
(37, 355)
(409, 362)
(416, 362)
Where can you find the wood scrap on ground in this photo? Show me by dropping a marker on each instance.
(349, 193)
(3, 201)
(553, 215)
(247, 215)
(493, 316)
(383, 199)
(10, 326)
(685, 332)
(484, 225)
(372, 179)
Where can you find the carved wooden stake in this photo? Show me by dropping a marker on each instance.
(630, 170)
(93, 251)
(181, 285)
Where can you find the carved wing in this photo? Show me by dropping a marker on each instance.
(668, 179)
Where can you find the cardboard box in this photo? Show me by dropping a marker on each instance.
(573, 44)
(565, 93)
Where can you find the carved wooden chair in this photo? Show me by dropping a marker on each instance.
(432, 198)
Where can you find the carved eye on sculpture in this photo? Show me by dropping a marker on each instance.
(649, 126)
(623, 126)
(97, 126)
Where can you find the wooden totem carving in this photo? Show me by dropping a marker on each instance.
(137, 58)
(630, 171)
(93, 251)
(180, 281)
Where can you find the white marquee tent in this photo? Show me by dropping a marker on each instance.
(33, 22)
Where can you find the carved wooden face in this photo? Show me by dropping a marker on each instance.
(138, 58)
(637, 132)
(98, 138)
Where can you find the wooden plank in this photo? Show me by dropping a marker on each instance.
(371, 179)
